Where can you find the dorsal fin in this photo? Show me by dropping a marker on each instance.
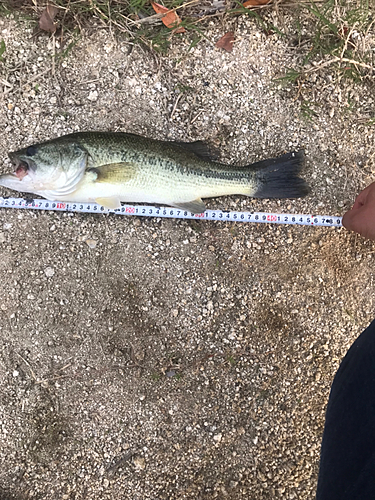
(200, 149)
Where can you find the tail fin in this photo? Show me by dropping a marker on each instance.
(278, 177)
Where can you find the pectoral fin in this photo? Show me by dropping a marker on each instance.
(196, 206)
(109, 202)
(115, 172)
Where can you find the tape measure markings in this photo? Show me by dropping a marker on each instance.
(176, 213)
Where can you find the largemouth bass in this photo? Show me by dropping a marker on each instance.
(110, 168)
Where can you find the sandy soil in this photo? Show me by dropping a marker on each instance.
(166, 359)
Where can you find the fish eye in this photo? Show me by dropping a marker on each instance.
(31, 151)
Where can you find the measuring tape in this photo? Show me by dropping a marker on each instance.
(174, 213)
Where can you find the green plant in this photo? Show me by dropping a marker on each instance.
(291, 76)
(155, 376)
(336, 39)
(2, 50)
(231, 359)
(75, 37)
(266, 25)
(307, 110)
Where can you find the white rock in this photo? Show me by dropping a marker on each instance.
(139, 463)
(93, 96)
(91, 243)
(49, 271)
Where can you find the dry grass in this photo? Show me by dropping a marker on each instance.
(336, 36)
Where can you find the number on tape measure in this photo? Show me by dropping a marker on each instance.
(168, 212)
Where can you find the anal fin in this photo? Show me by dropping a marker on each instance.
(196, 206)
(109, 202)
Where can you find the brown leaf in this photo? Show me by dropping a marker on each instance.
(226, 42)
(171, 19)
(255, 3)
(46, 19)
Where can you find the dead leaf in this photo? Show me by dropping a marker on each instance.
(255, 3)
(226, 42)
(171, 19)
(46, 19)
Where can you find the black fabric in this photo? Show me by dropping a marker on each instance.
(347, 462)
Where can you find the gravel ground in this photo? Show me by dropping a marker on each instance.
(168, 359)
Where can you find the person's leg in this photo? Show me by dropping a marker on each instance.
(347, 461)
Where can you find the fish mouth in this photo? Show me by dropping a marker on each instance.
(21, 170)
(21, 167)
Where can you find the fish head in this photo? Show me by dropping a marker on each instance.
(54, 167)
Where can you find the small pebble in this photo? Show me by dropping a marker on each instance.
(49, 271)
(93, 96)
(139, 463)
(91, 243)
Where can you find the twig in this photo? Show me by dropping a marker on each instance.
(65, 367)
(113, 468)
(53, 54)
(294, 4)
(352, 61)
(7, 84)
(175, 106)
(28, 364)
(299, 90)
(35, 77)
(50, 379)
(338, 59)
(275, 4)
(347, 40)
(196, 116)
